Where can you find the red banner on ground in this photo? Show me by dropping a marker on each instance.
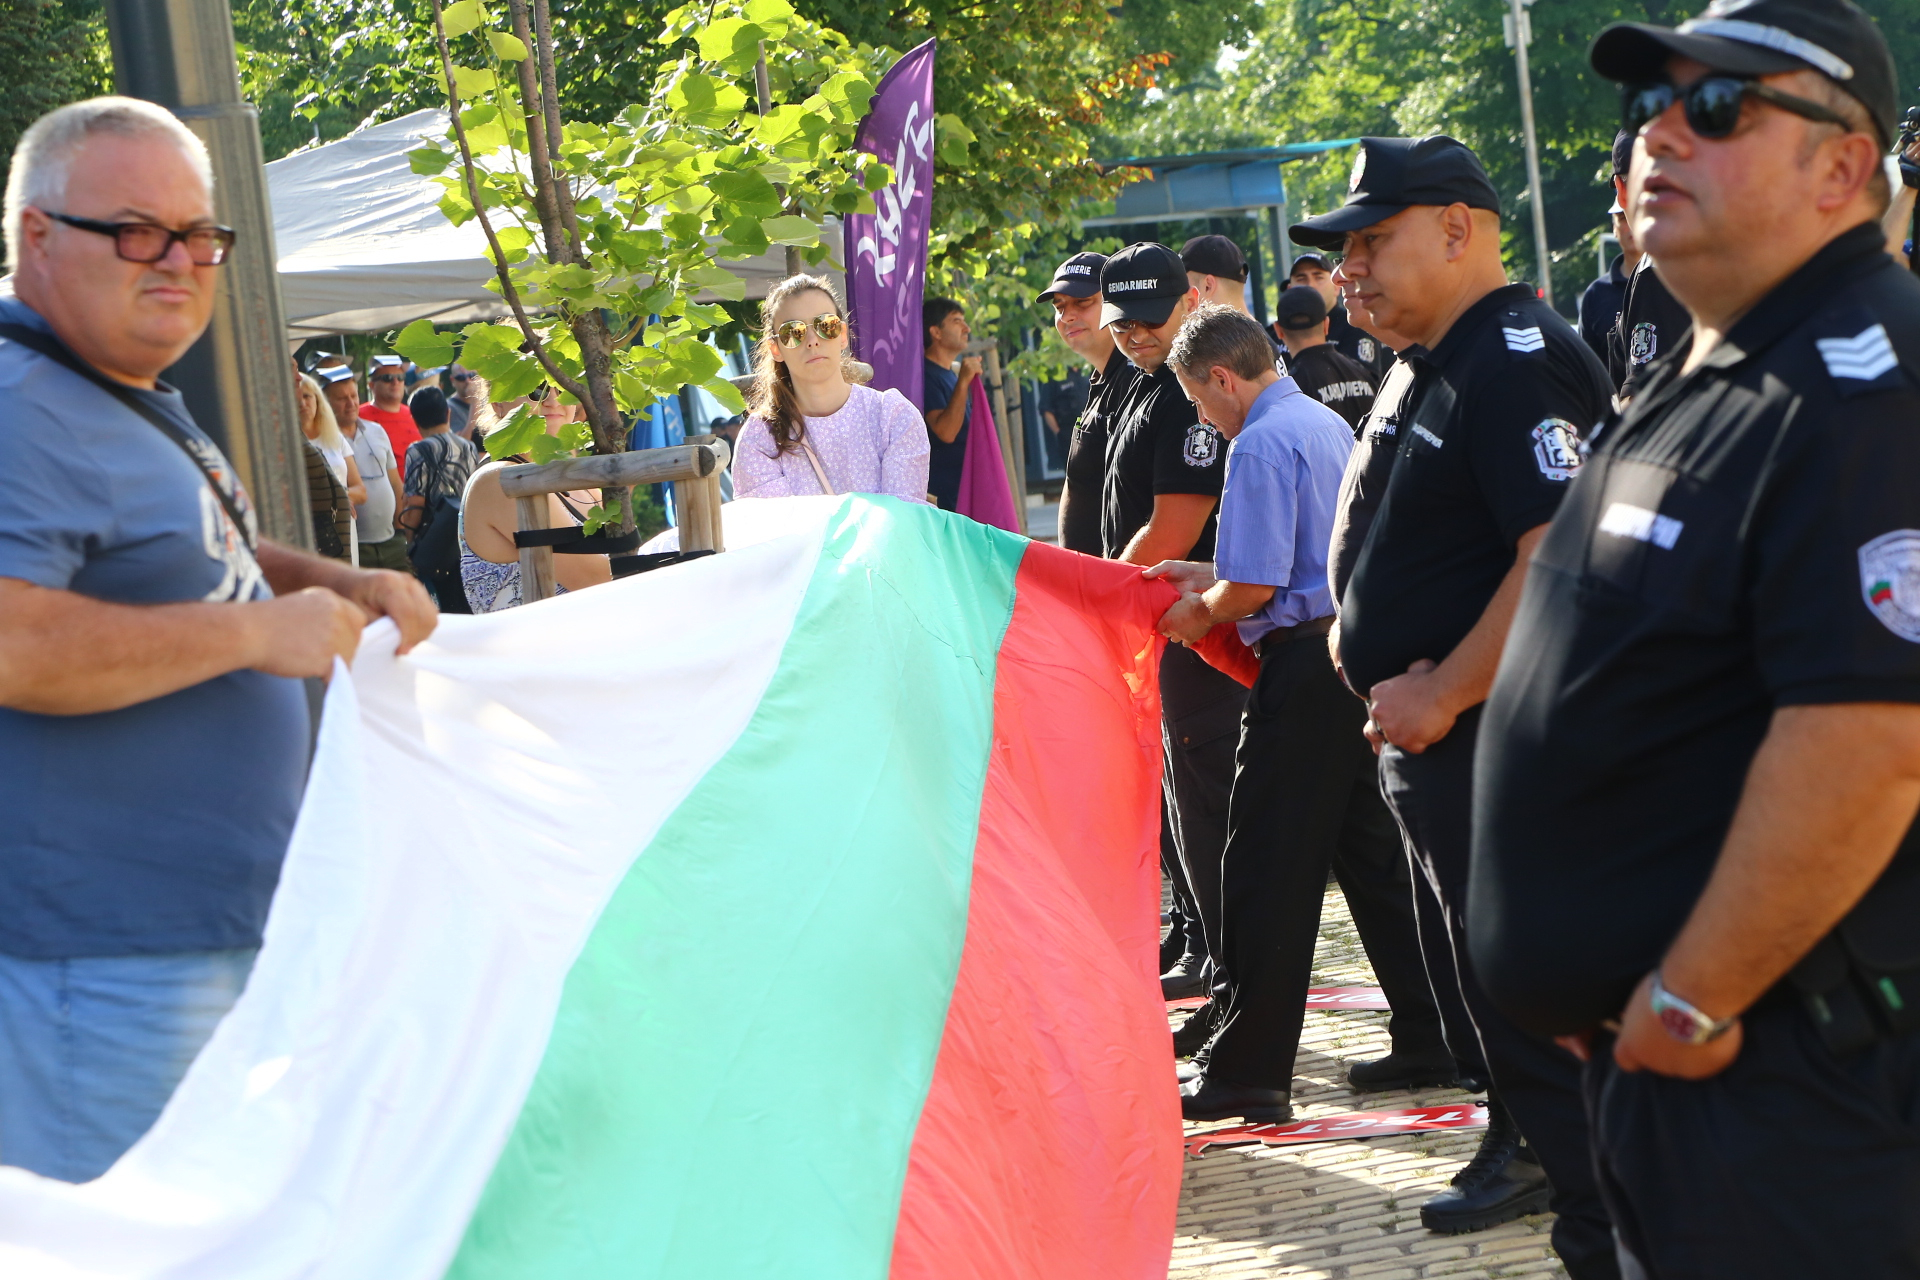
(1335, 1128)
(1317, 998)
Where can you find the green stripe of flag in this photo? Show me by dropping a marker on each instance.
(742, 1050)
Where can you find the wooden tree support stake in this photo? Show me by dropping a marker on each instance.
(693, 467)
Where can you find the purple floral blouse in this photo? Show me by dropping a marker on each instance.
(876, 443)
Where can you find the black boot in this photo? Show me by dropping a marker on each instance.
(1187, 977)
(1192, 1035)
(1205, 1098)
(1502, 1182)
(1403, 1071)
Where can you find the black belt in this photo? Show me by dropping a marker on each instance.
(1286, 635)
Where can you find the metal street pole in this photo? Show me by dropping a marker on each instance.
(237, 378)
(1520, 35)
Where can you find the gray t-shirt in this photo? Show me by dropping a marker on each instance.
(158, 827)
(373, 454)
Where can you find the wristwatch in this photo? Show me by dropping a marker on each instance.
(1684, 1022)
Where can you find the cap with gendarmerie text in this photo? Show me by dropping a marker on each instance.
(1214, 256)
(1761, 38)
(1077, 277)
(1142, 282)
(1301, 307)
(1392, 175)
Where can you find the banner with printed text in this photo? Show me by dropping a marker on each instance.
(886, 251)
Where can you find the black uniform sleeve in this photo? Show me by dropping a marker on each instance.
(1835, 572)
(1188, 457)
(1525, 429)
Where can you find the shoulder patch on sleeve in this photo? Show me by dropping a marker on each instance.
(1890, 581)
(1202, 446)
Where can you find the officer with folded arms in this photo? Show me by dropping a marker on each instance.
(1694, 845)
(1489, 439)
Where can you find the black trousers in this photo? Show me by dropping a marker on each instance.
(1185, 937)
(1793, 1163)
(1538, 1082)
(1305, 798)
(1200, 726)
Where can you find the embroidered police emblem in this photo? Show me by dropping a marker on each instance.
(1643, 342)
(1359, 173)
(1556, 449)
(1203, 445)
(1890, 581)
(1366, 349)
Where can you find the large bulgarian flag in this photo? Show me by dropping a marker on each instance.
(785, 915)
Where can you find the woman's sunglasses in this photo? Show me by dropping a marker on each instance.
(1712, 104)
(794, 332)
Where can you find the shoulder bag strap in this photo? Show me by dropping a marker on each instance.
(55, 350)
(819, 472)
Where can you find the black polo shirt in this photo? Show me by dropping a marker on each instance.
(1343, 385)
(1087, 457)
(1747, 538)
(1652, 323)
(1488, 443)
(1365, 481)
(1158, 445)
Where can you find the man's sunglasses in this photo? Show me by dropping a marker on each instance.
(829, 326)
(1713, 104)
(150, 242)
(1128, 326)
(388, 377)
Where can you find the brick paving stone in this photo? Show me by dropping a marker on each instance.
(1343, 1210)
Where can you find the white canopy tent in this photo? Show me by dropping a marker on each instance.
(364, 247)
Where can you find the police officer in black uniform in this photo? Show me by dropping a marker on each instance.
(1651, 324)
(1314, 271)
(1075, 294)
(1343, 385)
(1503, 390)
(1695, 852)
(1165, 469)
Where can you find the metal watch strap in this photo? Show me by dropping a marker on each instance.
(1681, 1019)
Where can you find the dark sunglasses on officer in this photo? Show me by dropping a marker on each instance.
(1712, 103)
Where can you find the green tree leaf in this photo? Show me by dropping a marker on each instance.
(462, 17)
(705, 101)
(721, 281)
(727, 394)
(429, 160)
(420, 343)
(752, 193)
(791, 230)
(472, 81)
(507, 47)
(734, 43)
(516, 434)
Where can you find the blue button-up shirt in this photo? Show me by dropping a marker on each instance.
(1277, 510)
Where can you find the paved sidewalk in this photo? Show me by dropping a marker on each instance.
(1342, 1210)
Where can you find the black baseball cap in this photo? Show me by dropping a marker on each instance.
(1392, 175)
(1760, 38)
(1318, 259)
(1623, 152)
(1214, 256)
(1142, 282)
(1301, 307)
(1077, 277)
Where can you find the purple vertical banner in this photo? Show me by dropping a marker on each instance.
(886, 251)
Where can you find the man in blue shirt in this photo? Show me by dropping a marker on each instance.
(1305, 794)
(945, 398)
(153, 728)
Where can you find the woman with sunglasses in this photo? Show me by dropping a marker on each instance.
(815, 428)
(489, 560)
